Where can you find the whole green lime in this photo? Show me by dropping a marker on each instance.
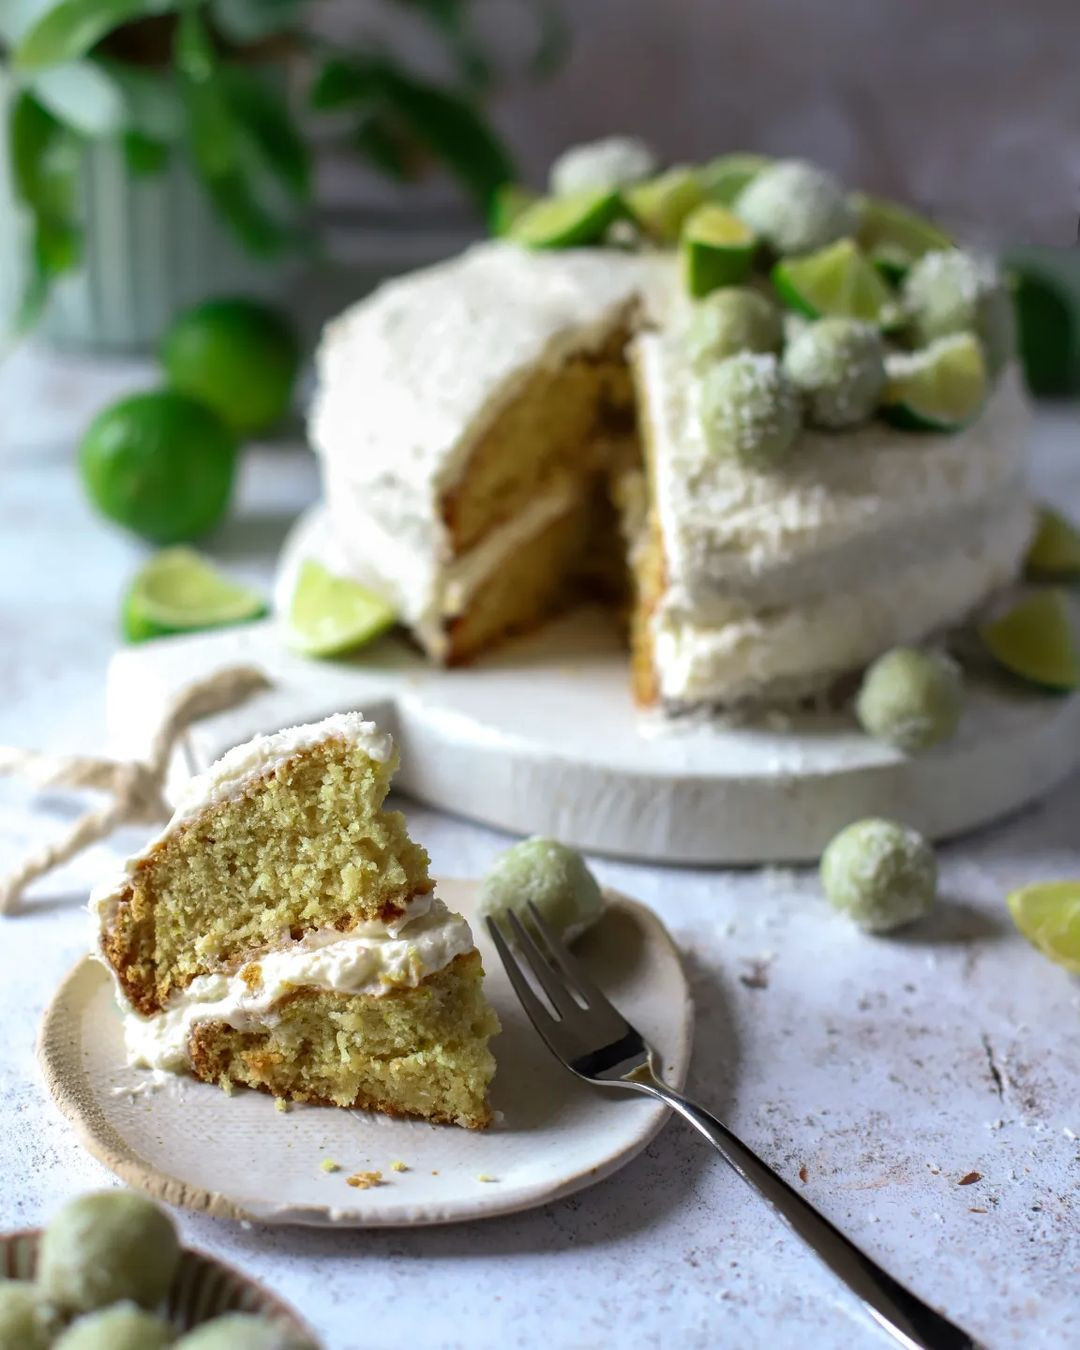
(161, 464)
(238, 356)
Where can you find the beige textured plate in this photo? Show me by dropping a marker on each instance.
(189, 1144)
(203, 1289)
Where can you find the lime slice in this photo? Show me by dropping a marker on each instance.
(717, 249)
(565, 222)
(1048, 915)
(1055, 550)
(507, 203)
(1034, 640)
(836, 282)
(938, 388)
(662, 204)
(179, 591)
(723, 178)
(893, 237)
(329, 615)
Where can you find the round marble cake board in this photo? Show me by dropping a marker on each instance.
(238, 1157)
(542, 737)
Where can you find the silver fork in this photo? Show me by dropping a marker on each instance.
(594, 1041)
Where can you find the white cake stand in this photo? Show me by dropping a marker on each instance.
(542, 737)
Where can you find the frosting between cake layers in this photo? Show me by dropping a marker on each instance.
(779, 580)
(371, 959)
(377, 548)
(230, 775)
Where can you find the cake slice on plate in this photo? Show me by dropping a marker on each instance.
(282, 932)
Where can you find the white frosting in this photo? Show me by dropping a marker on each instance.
(413, 375)
(228, 776)
(372, 959)
(778, 580)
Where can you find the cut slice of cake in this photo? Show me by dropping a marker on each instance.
(282, 932)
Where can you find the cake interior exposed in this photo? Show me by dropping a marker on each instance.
(282, 933)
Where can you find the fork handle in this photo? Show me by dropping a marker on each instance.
(910, 1321)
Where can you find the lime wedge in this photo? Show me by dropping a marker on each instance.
(329, 615)
(507, 203)
(723, 178)
(565, 222)
(179, 591)
(1055, 550)
(893, 237)
(717, 249)
(1048, 915)
(660, 205)
(1034, 640)
(938, 388)
(836, 282)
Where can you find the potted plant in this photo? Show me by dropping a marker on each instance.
(158, 151)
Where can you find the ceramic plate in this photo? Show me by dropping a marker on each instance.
(189, 1144)
(203, 1289)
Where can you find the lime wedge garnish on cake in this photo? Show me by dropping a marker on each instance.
(836, 282)
(329, 615)
(893, 237)
(661, 205)
(1048, 915)
(508, 202)
(1034, 640)
(717, 249)
(938, 388)
(566, 222)
(178, 591)
(1055, 550)
(723, 178)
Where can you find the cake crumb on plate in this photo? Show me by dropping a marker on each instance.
(329, 1165)
(363, 1181)
(398, 1166)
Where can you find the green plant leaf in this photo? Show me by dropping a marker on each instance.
(69, 29)
(246, 21)
(450, 126)
(143, 155)
(382, 145)
(343, 83)
(263, 115)
(82, 94)
(45, 158)
(152, 101)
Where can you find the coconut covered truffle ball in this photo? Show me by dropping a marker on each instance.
(732, 320)
(611, 162)
(243, 1331)
(880, 874)
(122, 1328)
(951, 291)
(796, 207)
(838, 365)
(25, 1320)
(549, 875)
(911, 699)
(108, 1247)
(749, 410)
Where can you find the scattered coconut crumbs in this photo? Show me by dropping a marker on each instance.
(363, 1181)
(329, 1165)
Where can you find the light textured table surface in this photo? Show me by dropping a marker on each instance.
(876, 1074)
